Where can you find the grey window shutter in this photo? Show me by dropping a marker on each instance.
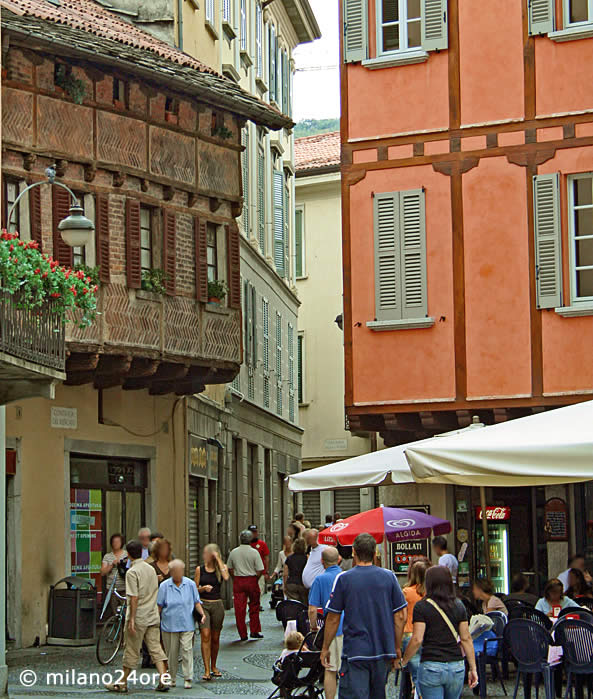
(248, 327)
(279, 222)
(387, 256)
(245, 174)
(287, 271)
(355, 30)
(434, 25)
(548, 244)
(413, 254)
(541, 16)
(253, 324)
(261, 201)
(272, 83)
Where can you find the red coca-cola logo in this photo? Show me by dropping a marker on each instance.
(494, 513)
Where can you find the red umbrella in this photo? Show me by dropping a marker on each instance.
(391, 523)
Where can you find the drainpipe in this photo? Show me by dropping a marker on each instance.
(180, 23)
(3, 667)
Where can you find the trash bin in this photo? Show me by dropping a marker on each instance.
(72, 612)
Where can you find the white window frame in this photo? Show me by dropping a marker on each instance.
(243, 25)
(403, 30)
(259, 41)
(226, 11)
(300, 208)
(566, 15)
(572, 239)
(210, 12)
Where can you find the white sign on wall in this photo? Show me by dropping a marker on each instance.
(336, 444)
(64, 418)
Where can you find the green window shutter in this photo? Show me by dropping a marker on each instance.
(434, 25)
(261, 200)
(387, 256)
(286, 213)
(272, 82)
(548, 244)
(541, 16)
(413, 254)
(279, 232)
(284, 82)
(355, 30)
(298, 235)
(245, 173)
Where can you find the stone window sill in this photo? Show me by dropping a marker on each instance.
(261, 85)
(577, 311)
(404, 324)
(149, 296)
(217, 308)
(228, 30)
(210, 27)
(246, 58)
(401, 58)
(580, 31)
(229, 70)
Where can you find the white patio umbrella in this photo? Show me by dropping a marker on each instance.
(544, 449)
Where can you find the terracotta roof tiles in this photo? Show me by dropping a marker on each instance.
(317, 152)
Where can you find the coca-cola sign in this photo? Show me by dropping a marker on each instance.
(494, 513)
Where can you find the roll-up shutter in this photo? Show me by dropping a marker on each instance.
(312, 507)
(193, 522)
(347, 502)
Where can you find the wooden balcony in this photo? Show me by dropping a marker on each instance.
(32, 349)
(166, 344)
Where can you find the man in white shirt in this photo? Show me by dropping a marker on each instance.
(446, 559)
(314, 565)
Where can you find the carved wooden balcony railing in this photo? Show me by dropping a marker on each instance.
(167, 344)
(35, 335)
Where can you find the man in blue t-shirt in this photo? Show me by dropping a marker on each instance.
(375, 612)
(319, 595)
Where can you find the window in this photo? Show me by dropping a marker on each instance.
(210, 12)
(79, 252)
(245, 174)
(212, 252)
(400, 256)
(11, 193)
(250, 332)
(266, 350)
(301, 367)
(243, 11)
(578, 11)
(279, 391)
(279, 223)
(272, 61)
(259, 40)
(580, 199)
(399, 25)
(291, 393)
(299, 235)
(145, 239)
(226, 11)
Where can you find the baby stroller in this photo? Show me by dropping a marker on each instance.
(300, 674)
(277, 592)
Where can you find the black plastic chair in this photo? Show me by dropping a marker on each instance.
(532, 614)
(529, 643)
(577, 612)
(585, 602)
(496, 662)
(576, 638)
(511, 604)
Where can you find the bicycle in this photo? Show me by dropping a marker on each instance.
(111, 638)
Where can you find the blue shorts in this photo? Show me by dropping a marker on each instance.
(364, 679)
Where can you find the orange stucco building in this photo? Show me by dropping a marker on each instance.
(467, 186)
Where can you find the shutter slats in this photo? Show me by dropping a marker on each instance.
(169, 250)
(413, 255)
(355, 30)
(234, 265)
(541, 16)
(548, 245)
(35, 216)
(261, 207)
(279, 233)
(61, 209)
(387, 263)
(201, 243)
(102, 237)
(434, 25)
(133, 264)
(245, 172)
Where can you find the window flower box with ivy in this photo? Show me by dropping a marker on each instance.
(35, 279)
(154, 281)
(217, 290)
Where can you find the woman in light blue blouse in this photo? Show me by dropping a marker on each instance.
(554, 598)
(178, 597)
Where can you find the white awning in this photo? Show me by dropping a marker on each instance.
(544, 449)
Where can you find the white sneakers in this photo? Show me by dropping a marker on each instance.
(187, 684)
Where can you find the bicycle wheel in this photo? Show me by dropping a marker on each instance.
(110, 639)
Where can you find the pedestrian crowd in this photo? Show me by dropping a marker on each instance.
(371, 626)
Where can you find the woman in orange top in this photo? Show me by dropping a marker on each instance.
(413, 592)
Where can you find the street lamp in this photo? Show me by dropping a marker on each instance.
(76, 229)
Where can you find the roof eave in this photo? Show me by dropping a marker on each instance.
(303, 20)
(261, 115)
(317, 170)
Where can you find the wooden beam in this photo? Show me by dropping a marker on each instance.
(438, 421)
(81, 362)
(114, 364)
(142, 367)
(79, 378)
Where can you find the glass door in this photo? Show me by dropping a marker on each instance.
(498, 543)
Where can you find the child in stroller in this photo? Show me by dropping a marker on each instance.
(298, 672)
(277, 592)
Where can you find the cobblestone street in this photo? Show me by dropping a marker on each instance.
(246, 668)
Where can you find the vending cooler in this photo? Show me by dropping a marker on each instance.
(498, 542)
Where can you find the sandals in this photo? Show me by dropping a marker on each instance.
(117, 688)
(207, 678)
(216, 674)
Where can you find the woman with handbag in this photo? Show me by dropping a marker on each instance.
(440, 627)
